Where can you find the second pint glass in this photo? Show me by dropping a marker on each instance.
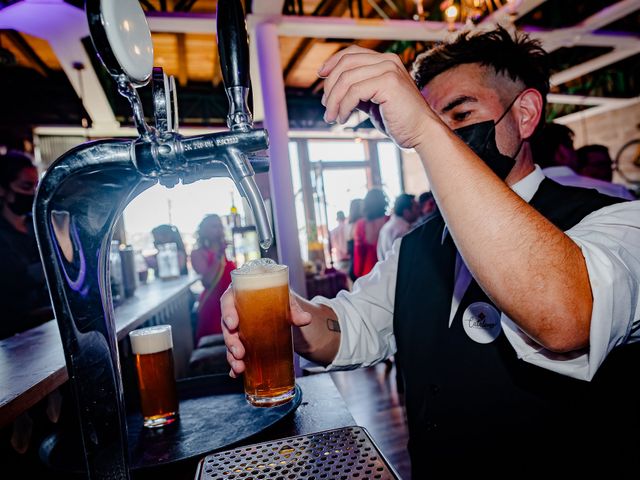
(261, 290)
(153, 349)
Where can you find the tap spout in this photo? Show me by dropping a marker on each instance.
(243, 176)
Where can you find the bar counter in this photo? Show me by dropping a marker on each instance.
(32, 363)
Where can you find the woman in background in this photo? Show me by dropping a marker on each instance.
(209, 260)
(355, 214)
(367, 230)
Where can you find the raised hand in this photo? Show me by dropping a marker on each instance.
(379, 85)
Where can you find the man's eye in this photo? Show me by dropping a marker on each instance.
(460, 116)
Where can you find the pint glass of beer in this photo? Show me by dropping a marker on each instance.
(261, 290)
(153, 350)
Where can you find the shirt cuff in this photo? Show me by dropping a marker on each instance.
(615, 301)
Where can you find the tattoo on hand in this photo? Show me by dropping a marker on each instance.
(333, 325)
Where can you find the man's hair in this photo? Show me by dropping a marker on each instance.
(424, 198)
(355, 210)
(375, 204)
(210, 218)
(170, 232)
(547, 142)
(595, 162)
(11, 164)
(403, 202)
(517, 57)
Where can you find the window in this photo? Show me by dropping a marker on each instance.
(390, 170)
(183, 206)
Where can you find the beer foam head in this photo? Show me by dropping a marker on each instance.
(260, 274)
(151, 339)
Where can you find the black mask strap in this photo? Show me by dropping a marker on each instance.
(507, 110)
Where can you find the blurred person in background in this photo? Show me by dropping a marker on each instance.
(24, 297)
(210, 261)
(553, 150)
(355, 214)
(427, 206)
(405, 213)
(166, 234)
(367, 231)
(339, 236)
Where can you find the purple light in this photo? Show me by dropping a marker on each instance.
(48, 19)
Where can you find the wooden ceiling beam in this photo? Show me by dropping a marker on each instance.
(509, 13)
(148, 5)
(23, 46)
(64, 26)
(324, 8)
(216, 75)
(183, 72)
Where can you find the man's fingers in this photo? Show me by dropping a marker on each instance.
(333, 60)
(299, 317)
(349, 63)
(235, 347)
(349, 77)
(228, 308)
(237, 366)
(369, 90)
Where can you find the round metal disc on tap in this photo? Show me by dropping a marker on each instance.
(122, 38)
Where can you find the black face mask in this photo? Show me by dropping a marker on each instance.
(22, 203)
(481, 138)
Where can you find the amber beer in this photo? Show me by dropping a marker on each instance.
(261, 290)
(153, 350)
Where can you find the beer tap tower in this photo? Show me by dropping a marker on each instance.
(84, 192)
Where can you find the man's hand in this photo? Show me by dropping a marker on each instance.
(379, 85)
(235, 349)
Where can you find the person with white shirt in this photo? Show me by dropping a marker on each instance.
(405, 213)
(553, 150)
(514, 310)
(339, 236)
(566, 176)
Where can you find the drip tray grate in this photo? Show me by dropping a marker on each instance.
(342, 454)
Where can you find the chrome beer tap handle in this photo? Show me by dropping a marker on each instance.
(84, 192)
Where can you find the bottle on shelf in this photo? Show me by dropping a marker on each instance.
(115, 273)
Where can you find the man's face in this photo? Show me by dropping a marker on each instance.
(428, 206)
(412, 214)
(25, 183)
(213, 230)
(472, 93)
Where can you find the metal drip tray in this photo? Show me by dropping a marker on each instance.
(341, 454)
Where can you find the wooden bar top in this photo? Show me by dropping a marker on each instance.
(32, 363)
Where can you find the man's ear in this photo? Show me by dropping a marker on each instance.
(528, 110)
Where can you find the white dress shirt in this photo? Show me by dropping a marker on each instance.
(610, 242)
(566, 176)
(395, 228)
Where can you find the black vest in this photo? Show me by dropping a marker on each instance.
(477, 407)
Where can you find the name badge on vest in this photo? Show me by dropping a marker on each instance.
(481, 322)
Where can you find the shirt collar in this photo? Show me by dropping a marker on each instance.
(559, 171)
(525, 188)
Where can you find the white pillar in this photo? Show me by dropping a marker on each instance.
(276, 122)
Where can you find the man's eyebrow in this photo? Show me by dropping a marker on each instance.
(458, 101)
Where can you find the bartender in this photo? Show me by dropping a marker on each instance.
(509, 308)
(24, 297)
